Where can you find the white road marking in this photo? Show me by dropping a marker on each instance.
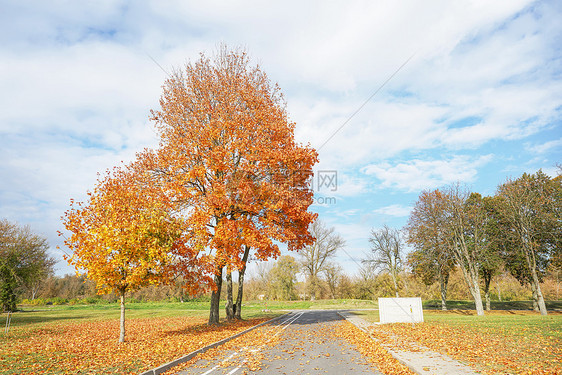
(286, 323)
(217, 366)
(292, 319)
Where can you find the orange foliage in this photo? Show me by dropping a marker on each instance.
(229, 161)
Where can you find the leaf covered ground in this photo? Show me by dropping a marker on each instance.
(498, 343)
(90, 347)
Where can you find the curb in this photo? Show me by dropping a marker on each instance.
(165, 367)
(438, 364)
(389, 351)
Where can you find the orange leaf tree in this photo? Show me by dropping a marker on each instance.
(124, 237)
(229, 161)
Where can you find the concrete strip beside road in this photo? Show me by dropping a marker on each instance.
(424, 362)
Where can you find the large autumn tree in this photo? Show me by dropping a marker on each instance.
(124, 236)
(229, 161)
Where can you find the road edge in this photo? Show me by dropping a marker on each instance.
(165, 367)
(446, 364)
(405, 363)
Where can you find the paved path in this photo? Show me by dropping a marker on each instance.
(305, 345)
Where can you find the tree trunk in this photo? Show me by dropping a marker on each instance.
(487, 280)
(395, 284)
(529, 253)
(241, 272)
(229, 308)
(215, 299)
(122, 319)
(443, 283)
(540, 298)
(478, 300)
(499, 291)
(535, 298)
(238, 304)
(471, 278)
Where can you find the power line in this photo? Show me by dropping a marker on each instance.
(366, 101)
(156, 62)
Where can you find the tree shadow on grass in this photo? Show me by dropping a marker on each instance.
(24, 318)
(224, 326)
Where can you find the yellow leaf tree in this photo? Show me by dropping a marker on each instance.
(125, 236)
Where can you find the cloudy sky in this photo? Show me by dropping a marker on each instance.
(475, 95)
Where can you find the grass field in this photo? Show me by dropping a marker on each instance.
(83, 338)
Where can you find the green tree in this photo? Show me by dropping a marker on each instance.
(24, 261)
(530, 207)
(491, 262)
(283, 277)
(427, 233)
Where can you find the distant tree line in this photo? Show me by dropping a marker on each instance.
(519, 230)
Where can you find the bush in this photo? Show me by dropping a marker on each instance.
(33, 302)
(58, 301)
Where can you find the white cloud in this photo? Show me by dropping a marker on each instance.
(395, 210)
(79, 85)
(418, 174)
(545, 147)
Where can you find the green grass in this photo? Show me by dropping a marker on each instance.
(46, 314)
(336, 304)
(53, 313)
(494, 305)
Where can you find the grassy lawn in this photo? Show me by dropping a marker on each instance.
(512, 341)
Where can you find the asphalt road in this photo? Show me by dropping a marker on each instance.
(302, 343)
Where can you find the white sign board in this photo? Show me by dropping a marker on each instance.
(400, 310)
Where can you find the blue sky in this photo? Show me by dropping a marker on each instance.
(479, 101)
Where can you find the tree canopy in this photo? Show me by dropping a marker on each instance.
(229, 162)
(24, 261)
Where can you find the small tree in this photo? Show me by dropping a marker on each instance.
(333, 274)
(427, 233)
(315, 258)
(386, 252)
(283, 277)
(124, 236)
